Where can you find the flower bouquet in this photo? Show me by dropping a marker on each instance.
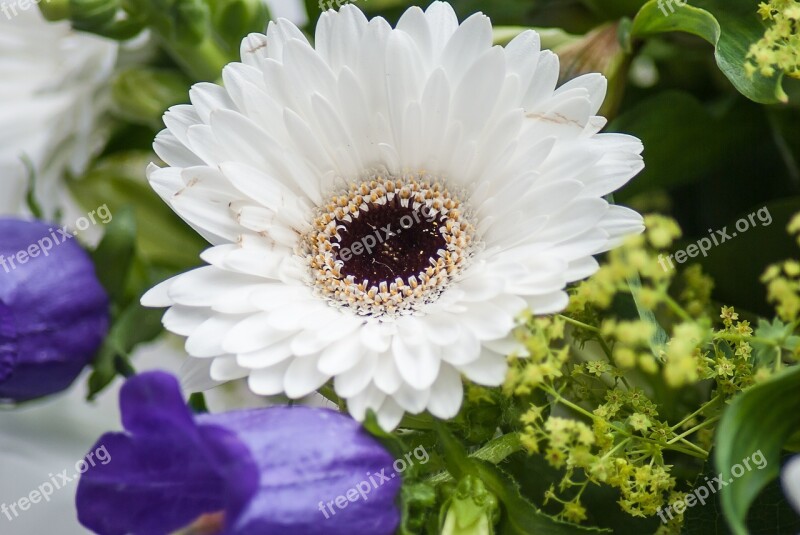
(508, 267)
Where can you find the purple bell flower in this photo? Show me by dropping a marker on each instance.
(53, 311)
(249, 472)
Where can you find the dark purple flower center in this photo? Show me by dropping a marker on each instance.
(389, 245)
(389, 241)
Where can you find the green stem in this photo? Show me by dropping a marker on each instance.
(420, 422)
(618, 446)
(698, 452)
(499, 448)
(733, 337)
(600, 340)
(203, 62)
(693, 446)
(702, 409)
(580, 324)
(573, 406)
(329, 393)
(676, 308)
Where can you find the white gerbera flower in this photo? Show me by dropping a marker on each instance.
(50, 100)
(383, 205)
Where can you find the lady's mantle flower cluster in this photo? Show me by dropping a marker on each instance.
(778, 50)
(636, 330)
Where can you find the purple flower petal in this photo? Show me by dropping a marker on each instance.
(53, 310)
(8, 342)
(166, 471)
(268, 470)
(306, 456)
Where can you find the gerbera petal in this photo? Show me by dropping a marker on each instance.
(446, 393)
(302, 377)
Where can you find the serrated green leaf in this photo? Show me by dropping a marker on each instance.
(759, 420)
(730, 25)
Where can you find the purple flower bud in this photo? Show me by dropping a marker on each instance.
(53, 310)
(249, 472)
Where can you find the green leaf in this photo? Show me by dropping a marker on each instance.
(777, 331)
(197, 402)
(416, 500)
(113, 257)
(671, 123)
(769, 514)
(141, 95)
(730, 25)
(758, 422)
(162, 239)
(234, 19)
(521, 517)
(135, 325)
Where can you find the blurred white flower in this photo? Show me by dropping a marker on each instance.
(52, 94)
(791, 482)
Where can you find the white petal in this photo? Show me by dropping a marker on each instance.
(370, 398)
(387, 376)
(273, 354)
(341, 356)
(389, 415)
(411, 399)
(253, 333)
(357, 378)
(185, 320)
(446, 393)
(418, 364)
(268, 381)
(302, 377)
(195, 375)
(488, 370)
(225, 369)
